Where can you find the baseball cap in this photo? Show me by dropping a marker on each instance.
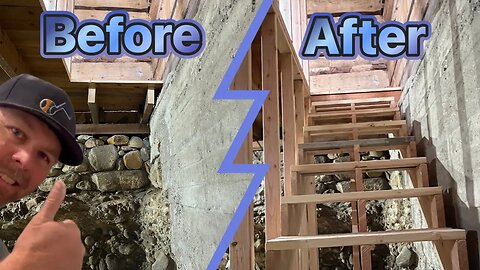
(49, 103)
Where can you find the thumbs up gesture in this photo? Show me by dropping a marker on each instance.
(45, 243)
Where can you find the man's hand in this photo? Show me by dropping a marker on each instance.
(45, 243)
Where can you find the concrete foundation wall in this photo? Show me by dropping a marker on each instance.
(191, 134)
(441, 102)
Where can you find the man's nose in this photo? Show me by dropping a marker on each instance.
(22, 157)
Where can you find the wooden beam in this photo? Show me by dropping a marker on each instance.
(364, 238)
(362, 143)
(137, 72)
(346, 82)
(353, 91)
(127, 4)
(84, 14)
(364, 125)
(242, 250)
(149, 104)
(92, 105)
(11, 61)
(271, 135)
(388, 164)
(288, 113)
(110, 129)
(339, 7)
(48, 5)
(353, 101)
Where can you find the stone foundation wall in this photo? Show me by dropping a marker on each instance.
(109, 196)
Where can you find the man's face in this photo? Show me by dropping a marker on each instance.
(28, 149)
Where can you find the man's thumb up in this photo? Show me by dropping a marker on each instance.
(52, 204)
(45, 243)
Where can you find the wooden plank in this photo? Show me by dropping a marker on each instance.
(296, 25)
(349, 126)
(324, 66)
(353, 101)
(135, 72)
(299, 123)
(351, 143)
(128, 4)
(92, 105)
(271, 124)
(24, 3)
(47, 5)
(242, 252)
(160, 9)
(288, 117)
(338, 7)
(365, 238)
(388, 164)
(349, 114)
(20, 18)
(345, 82)
(108, 129)
(11, 61)
(362, 195)
(149, 104)
(360, 91)
(84, 14)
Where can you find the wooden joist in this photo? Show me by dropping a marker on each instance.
(110, 129)
(389, 164)
(362, 195)
(11, 61)
(125, 4)
(365, 238)
(137, 72)
(339, 7)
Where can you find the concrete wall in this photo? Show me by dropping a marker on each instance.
(441, 102)
(191, 134)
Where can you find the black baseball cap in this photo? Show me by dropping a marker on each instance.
(49, 103)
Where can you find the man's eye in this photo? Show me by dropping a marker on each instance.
(17, 133)
(44, 157)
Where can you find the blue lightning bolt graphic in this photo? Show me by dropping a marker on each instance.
(228, 166)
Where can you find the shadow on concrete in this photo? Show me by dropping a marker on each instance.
(440, 176)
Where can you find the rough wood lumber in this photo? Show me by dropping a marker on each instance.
(365, 238)
(389, 164)
(351, 143)
(364, 125)
(363, 195)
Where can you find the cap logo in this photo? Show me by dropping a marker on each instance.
(49, 107)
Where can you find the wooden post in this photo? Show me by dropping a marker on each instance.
(92, 105)
(242, 252)
(271, 136)
(288, 113)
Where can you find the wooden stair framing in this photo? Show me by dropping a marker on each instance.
(354, 126)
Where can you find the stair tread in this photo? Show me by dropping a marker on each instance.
(351, 143)
(362, 125)
(354, 101)
(366, 165)
(364, 238)
(374, 112)
(362, 195)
